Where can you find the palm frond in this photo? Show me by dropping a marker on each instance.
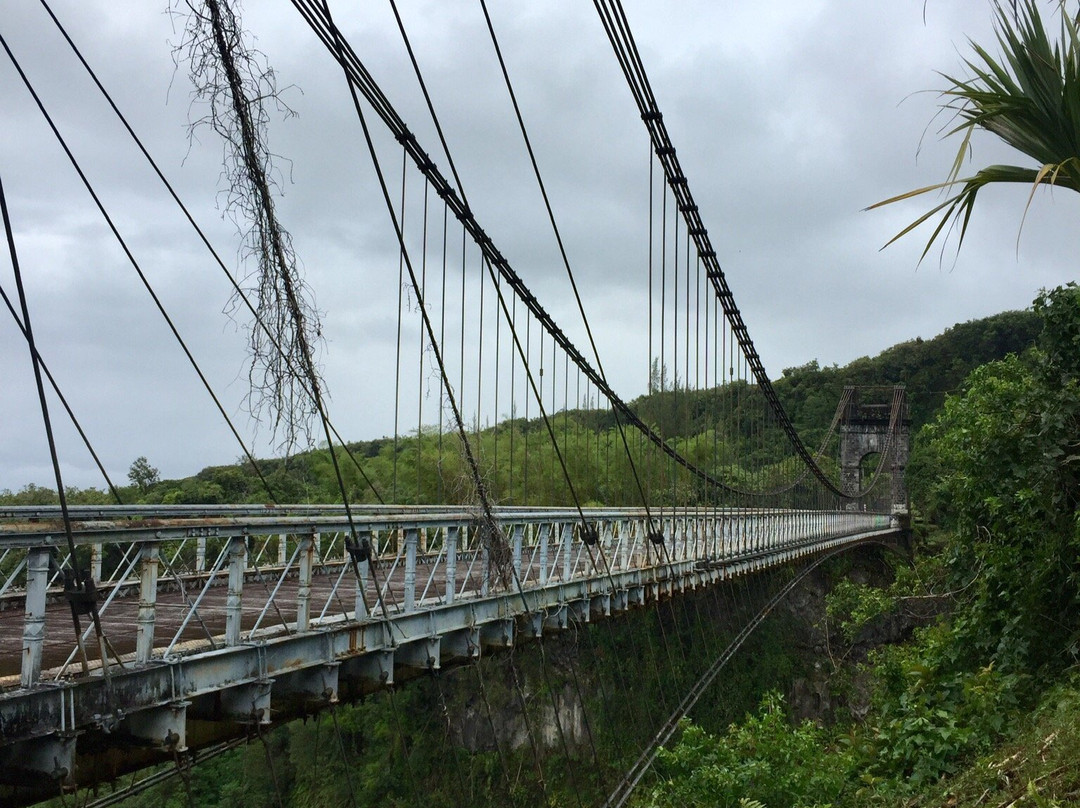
(1029, 98)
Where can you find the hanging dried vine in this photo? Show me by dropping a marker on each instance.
(239, 90)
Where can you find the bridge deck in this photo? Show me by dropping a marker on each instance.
(220, 618)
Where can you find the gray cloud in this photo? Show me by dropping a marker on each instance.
(789, 120)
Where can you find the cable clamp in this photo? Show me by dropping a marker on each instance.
(361, 552)
(81, 594)
(656, 537)
(652, 115)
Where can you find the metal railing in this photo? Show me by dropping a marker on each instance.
(211, 577)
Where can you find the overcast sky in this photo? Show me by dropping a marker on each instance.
(789, 118)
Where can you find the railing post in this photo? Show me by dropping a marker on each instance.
(200, 554)
(144, 623)
(485, 560)
(234, 598)
(303, 587)
(451, 563)
(411, 539)
(568, 540)
(37, 581)
(95, 561)
(545, 534)
(282, 549)
(519, 531)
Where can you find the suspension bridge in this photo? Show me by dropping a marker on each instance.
(133, 634)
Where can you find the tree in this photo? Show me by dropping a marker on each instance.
(142, 474)
(1000, 466)
(1030, 98)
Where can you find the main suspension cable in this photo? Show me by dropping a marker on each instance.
(563, 254)
(361, 80)
(617, 28)
(492, 534)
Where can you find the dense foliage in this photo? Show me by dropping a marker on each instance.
(764, 760)
(998, 471)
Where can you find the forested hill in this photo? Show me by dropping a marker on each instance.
(930, 369)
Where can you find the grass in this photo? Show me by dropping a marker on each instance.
(1039, 768)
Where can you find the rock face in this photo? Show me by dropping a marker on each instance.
(833, 680)
(507, 728)
(512, 701)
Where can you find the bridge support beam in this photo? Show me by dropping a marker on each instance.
(556, 619)
(144, 623)
(497, 634)
(41, 761)
(579, 611)
(37, 582)
(422, 655)
(248, 703)
(318, 684)
(599, 606)
(161, 727)
(619, 601)
(371, 671)
(461, 644)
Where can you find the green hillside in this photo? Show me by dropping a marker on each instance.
(426, 469)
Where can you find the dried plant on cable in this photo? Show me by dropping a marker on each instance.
(471, 488)
(237, 88)
(492, 537)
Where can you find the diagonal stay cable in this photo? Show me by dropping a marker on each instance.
(135, 264)
(497, 287)
(630, 780)
(78, 584)
(239, 291)
(362, 80)
(63, 400)
(565, 257)
(490, 524)
(492, 534)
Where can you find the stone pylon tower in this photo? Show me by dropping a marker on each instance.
(875, 421)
